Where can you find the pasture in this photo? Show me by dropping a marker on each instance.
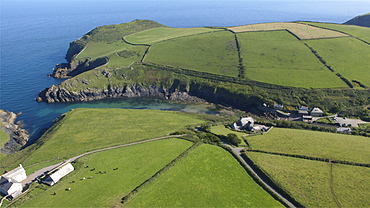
(302, 31)
(125, 58)
(309, 181)
(214, 52)
(83, 130)
(356, 31)
(277, 57)
(121, 170)
(163, 33)
(95, 50)
(315, 144)
(348, 56)
(207, 177)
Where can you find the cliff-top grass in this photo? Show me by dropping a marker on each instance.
(302, 31)
(207, 177)
(315, 144)
(348, 56)
(353, 30)
(82, 130)
(277, 57)
(133, 165)
(163, 33)
(214, 52)
(309, 181)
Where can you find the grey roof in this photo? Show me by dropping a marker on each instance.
(16, 175)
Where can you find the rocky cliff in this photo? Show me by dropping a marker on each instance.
(17, 136)
(56, 93)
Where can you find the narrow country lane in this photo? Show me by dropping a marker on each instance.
(236, 151)
(30, 178)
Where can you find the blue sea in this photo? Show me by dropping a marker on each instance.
(35, 35)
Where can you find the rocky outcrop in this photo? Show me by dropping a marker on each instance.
(65, 70)
(18, 137)
(55, 93)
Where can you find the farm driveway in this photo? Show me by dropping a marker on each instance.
(40, 172)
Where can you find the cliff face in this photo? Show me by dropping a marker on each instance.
(17, 136)
(58, 94)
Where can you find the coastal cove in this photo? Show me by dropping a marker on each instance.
(31, 48)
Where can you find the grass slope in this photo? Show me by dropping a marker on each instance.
(211, 52)
(222, 130)
(309, 181)
(277, 57)
(135, 165)
(163, 33)
(356, 31)
(347, 56)
(88, 129)
(207, 177)
(315, 144)
(302, 31)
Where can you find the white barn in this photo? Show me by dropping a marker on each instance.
(59, 172)
(10, 182)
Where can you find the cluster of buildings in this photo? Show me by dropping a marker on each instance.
(247, 123)
(11, 182)
(303, 111)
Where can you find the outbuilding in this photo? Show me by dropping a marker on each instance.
(57, 173)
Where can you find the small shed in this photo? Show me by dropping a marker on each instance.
(10, 182)
(57, 173)
(316, 112)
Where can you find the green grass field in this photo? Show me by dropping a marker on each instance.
(309, 181)
(125, 57)
(277, 57)
(207, 177)
(357, 31)
(135, 165)
(163, 33)
(316, 144)
(88, 129)
(347, 56)
(4, 137)
(211, 52)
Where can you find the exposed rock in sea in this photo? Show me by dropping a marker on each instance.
(18, 137)
(56, 93)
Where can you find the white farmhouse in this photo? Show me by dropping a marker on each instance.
(10, 182)
(57, 173)
(243, 123)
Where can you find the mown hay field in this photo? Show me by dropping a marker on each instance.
(302, 31)
(315, 144)
(163, 33)
(356, 31)
(309, 181)
(106, 189)
(277, 57)
(207, 177)
(210, 52)
(83, 130)
(348, 56)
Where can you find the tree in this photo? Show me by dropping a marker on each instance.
(233, 139)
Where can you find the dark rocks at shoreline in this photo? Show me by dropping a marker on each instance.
(55, 93)
(18, 137)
